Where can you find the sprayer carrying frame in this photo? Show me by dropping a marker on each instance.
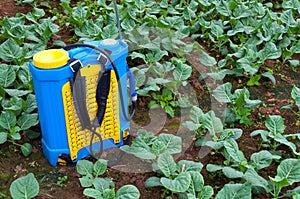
(102, 92)
(54, 75)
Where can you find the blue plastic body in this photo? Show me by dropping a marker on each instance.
(48, 89)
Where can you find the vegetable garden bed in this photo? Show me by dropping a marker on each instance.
(225, 75)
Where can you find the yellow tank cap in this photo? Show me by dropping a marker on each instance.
(52, 58)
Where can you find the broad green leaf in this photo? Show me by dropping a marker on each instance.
(223, 93)
(187, 165)
(232, 173)
(89, 29)
(109, 194)
(196, 114)
(251, 103)
(294, 62)
(213, 167)
(223, 8)
(147, 88)
(197, 182)
(180, 184)
(26, 149)
(212, 123)
(275, 124)
(235, 191)
(279, 182)
(33, 134)
(79, 14)
(182, 72)
(139, 149)
(296, 47)
(188, 14)
(263, 159)
(25, 76)
(110, 31)
(147, 136)
(233, 150)
(93, 193)
(270, 51)
(293, 192)
(25, 121)
(153, 182)
(158, 147)
(220, 75)
(7, 75)
(233, 133)
(217, 29)
(100, 167)
(207, 60)
(167, 164)
(191, 125)
(173, 143)
(289, 169)
(25, 187)
(15, 136)
(86, 181)
(205, 3)
(102, 183)
(263, 133)
(293, 4)
(206, 192)
(10, 50)
(16, 92)
(35, 14)
(159, 54)
(239, 27)
(270, 77)
(140, 4)
(296, 95)
(140, 77)
(128, 24)
(14, 104)
(135, 55)
(84, 167)
(59, 43)
(128, 192)
(296, 195)
(245, 63)
(3, 137)
(139, 152)
(176, 22)
(287, 18)
(7, 120)
(30, 103)
(256, 180)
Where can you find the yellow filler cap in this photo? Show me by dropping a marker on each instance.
(52, 58)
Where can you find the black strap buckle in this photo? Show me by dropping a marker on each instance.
(102, 59)
(75, 65)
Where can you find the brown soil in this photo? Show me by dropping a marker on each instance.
(9, 8)
(13, 164)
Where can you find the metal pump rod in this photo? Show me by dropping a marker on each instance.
(118, 20)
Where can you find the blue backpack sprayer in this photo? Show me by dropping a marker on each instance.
(81, 93)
